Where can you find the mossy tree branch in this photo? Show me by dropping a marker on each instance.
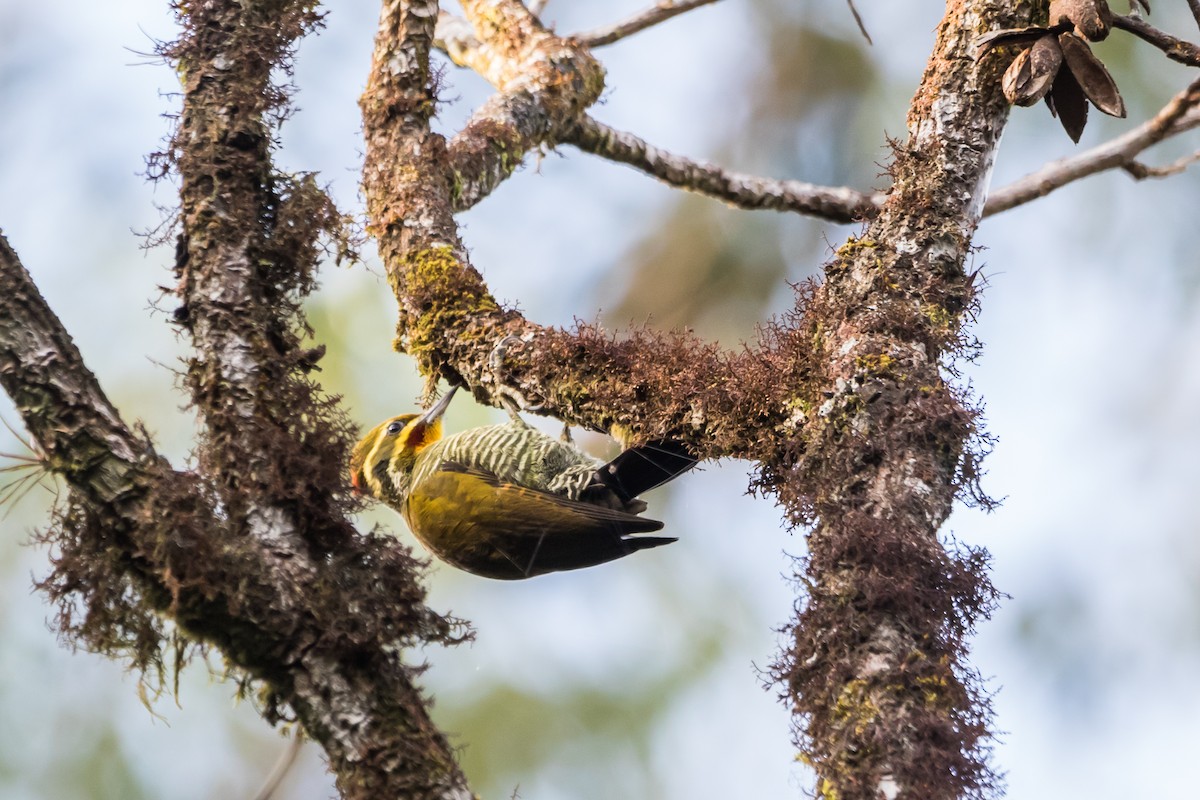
(137, 542)
(877, 668)
(449, 320)
(545, 83)
(845, 403)
(274, 446)
(252, 551)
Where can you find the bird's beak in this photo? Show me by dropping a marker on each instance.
(437, 409)
(427, 428)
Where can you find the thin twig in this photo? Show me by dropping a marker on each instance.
(858, 19)
(638, 22)
(476, 178)
(1176, 49)
(1194, 5)
(1177, 116)
(282, 766)
(1141, 171)
(13, 492)
(834, 203)
(14, 432)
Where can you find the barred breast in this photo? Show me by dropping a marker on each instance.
(515, 454)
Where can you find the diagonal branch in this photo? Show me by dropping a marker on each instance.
(834, 203)
(545, 82)
(649, 383)
(858, 20)
(1181, 114)
(493, 143)
(58, 397)
(1176, 49)
(1140, 171)
(661, 12)
(133, 529)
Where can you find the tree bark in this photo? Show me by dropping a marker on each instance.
(848, 404)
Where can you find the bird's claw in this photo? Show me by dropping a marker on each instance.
(510, 398)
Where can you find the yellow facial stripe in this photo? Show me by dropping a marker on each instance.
(381, 451)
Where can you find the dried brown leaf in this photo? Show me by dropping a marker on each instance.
(1032, 72)
(1093, 78)
(1007, 36)
(1091, 18)
(1069, 104)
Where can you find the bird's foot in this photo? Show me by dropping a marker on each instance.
(510, 398)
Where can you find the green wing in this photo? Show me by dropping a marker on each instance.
(477, 522)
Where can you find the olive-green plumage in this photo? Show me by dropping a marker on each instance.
(509, 502)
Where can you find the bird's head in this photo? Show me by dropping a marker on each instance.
(382, 461)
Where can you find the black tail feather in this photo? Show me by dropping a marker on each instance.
(640, 469)
(644, 542)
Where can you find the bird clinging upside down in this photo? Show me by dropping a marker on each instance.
(507, 501)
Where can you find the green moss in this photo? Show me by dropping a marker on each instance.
(508, 160)
(933, 691)
(801, 404)
(818, 336)
(854, 709)
(939, 318)
(841, 411)
(853, 247)
(431, 265)
(444, 290)
(593, 83)
(851, 251)
(875, 363)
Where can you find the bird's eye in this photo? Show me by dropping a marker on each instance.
(395, 427)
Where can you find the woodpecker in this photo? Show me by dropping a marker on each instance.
(507, 501)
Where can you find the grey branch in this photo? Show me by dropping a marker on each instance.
(545, 82)
(1194, 5)
(58, 397)
(525, 119)
(1176, 49)
(834, 203)
(1140, 171)
(638, 22)
(1179, 115)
